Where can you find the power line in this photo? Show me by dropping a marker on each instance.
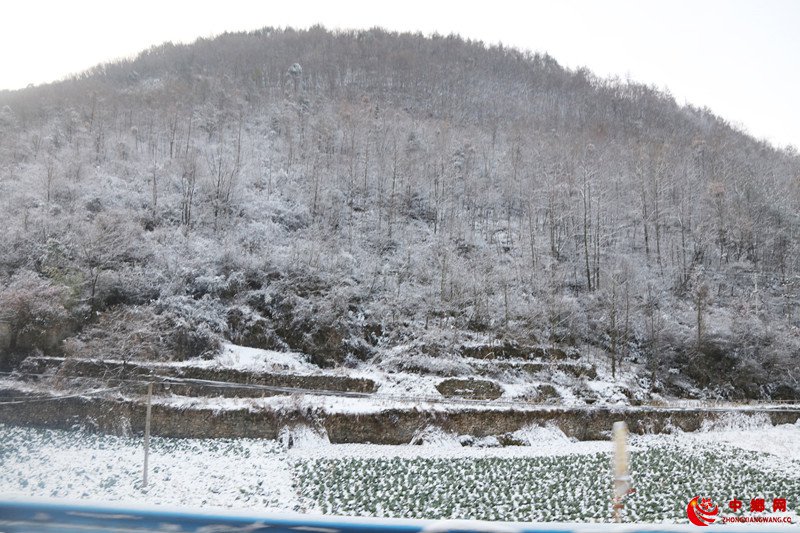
(57, 398)
(406, 398)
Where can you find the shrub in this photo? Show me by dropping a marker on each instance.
(33, 310)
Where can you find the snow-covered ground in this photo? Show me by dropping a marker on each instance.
(315, 476)
(400, 385)
(65, 464)
(399, 388)
(551, 478)
(257, 360)
(402, 389)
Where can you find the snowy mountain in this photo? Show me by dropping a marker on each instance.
(390, 201)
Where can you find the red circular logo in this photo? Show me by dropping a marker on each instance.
(702, 511)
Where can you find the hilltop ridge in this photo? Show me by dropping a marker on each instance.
(402, 203)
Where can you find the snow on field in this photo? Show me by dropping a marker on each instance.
(400, 384)
(782, 441)
(608, 392)
(257, 360)
(754, 434)
(397, 388)
(747, 432)
(541, 441)
(394, 381)
(553, 478)
(191, 472)
(367, 404)
(246, 359)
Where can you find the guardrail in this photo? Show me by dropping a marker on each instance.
(26, 516)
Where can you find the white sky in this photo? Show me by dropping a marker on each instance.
(741, 58)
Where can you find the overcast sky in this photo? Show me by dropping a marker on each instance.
(741, 58)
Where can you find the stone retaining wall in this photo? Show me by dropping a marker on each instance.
(390, 426)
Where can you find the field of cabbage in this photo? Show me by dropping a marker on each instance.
(563, 488)
(555, 480)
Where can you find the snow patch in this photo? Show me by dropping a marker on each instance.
(303, 436)
(533, 435)
(436, 437)
(258, 360)
(737, 422)
(608, 392)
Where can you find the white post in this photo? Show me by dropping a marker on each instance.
(622, 478)
(147, 434)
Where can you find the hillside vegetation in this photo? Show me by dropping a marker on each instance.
(361, 196)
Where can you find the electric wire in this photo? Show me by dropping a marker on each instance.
(167, 381)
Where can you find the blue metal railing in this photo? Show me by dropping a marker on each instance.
(33, 516)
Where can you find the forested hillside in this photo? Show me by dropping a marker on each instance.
(395, 199)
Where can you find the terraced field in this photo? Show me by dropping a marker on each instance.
(557, 480)
(574, 488)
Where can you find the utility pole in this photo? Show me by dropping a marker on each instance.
(622, 479)
(147, 433)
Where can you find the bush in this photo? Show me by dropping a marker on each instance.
(175, 328)
(33, 310)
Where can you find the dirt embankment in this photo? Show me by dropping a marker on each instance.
(115, 371)
(396, 425)
(389, 426)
